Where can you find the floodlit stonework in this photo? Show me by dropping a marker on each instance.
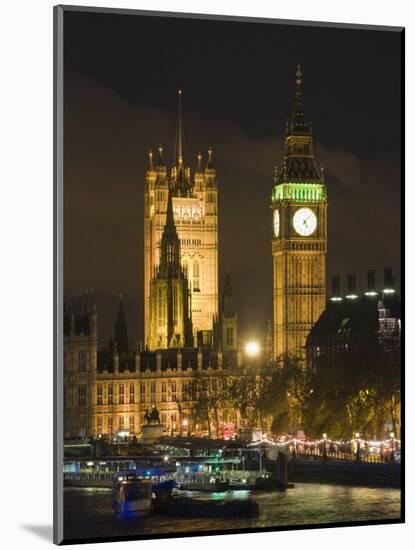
(299, 242)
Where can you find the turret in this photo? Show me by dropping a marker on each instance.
(210, 172)
(199, 174)
(160, 164)
(150, 160)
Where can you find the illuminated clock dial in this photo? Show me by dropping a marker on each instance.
(276, 222)
(305, 222)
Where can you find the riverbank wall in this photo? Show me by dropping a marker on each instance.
(345, 473)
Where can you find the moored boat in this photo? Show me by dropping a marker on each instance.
(137, 493)
(132, 495)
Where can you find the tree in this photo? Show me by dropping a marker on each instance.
(355, 388)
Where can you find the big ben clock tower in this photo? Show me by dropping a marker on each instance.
(299, 237)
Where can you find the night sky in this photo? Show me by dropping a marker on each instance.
(122, 73)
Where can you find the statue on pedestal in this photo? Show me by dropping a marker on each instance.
(152, 417)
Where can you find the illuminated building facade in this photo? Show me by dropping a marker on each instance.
(194, 202)
(108, 391)
(79, 364)
(170, 303)
(299, 237)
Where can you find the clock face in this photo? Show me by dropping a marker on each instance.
(305, 222)
(276, 222)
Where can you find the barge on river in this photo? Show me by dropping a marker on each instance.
(137, 493)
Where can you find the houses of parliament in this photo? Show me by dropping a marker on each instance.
(191, 336)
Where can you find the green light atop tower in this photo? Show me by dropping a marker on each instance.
(299, 192)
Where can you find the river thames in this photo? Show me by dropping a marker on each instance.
(88, 514)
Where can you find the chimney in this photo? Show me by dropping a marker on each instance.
(335, 289)
(351, 286)
(371, 286)
(388, 281)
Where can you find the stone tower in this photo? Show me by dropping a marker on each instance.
(194, 203)
(299, 236)
(170, 316)
(79, 364)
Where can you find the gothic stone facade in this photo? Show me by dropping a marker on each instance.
(299, 243)
(109, 391)
(195, 201)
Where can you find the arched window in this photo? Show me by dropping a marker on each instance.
(196, 276)
(185, 266)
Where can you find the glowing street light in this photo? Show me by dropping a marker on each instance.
(252, 348)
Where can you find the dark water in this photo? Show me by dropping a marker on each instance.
(88, 511)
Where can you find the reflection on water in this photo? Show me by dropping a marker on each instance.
(88, 511)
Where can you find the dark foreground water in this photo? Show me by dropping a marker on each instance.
(87, 512)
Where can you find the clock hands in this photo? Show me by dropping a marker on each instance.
(304, 221)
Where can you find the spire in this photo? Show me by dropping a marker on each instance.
(181, 175)
(170, 226)
(170, 243)
(299, 165)
(299, 79)
(199, 162)
(299, 123)
(179, 131)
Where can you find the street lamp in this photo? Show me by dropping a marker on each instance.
(252, 348)
(324, 446)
